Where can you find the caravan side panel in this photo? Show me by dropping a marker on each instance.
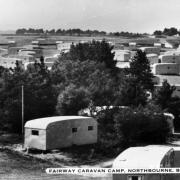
(35, 138)
(86, 131)
(59, 135)
(71, 132)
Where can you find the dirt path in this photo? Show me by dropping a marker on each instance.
(14, 166)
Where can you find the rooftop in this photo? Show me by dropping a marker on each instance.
(42, 123)
(142, 157)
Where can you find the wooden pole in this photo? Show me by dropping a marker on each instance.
(22, 91)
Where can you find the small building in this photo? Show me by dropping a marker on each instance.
(45, 43)
(3, 52)
(165, 69)
(37, 53)
(50, 52)
(31, 65)
(12, 43)
(151, 50)
(122, 65)
(50, 59)
(64, 47)
(14, 50)
(24, 58)
(132, 46)
(153, 58)
(59, 42)
(27, 52)
(49, 65)
(60, 132)
(122, 55)
(171, 58)
(10, 62)
(172, 52)
(35, 42)
(168, 45)
(148, 157)
(157, 45)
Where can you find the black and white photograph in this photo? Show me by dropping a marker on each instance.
(89, 90)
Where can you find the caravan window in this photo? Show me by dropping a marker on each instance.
(135, 178)
(74, 130)
(90, 128)
(35, 132)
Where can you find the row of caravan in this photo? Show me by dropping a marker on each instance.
(24, 61)
(151, 53)
(167, 64)
(125, 55)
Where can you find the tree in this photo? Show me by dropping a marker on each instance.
(71, 100)
(138, 81)
(94, 76)
(132, 93)
(141, 71)
(158, 33)
(170, 32)
(148, 127)
(165, 99)
(163, 96)
(95, 51)
(39, 96)
(174, 108)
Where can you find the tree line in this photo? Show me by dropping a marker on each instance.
(167, 32)
(87, 77)
(75, 32)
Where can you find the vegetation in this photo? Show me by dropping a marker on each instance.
(95, 51)
(167, 31)
(138, 81)
(72, 100)
(86, 77)
(75, 32)
(38, 94)
(163, 96)
(169, 103)
(126, 34)
(148, 127)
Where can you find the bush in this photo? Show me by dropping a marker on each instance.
(71, 100)
(133, 128)
(107, 139)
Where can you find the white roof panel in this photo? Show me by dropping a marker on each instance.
(141, 157)
(42, 123)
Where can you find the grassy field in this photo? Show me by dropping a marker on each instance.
(18, 165)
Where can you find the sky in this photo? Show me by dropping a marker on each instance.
(108, 15)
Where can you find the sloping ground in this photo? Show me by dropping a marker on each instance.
(72, 156)
(16, 167)
(15, 163)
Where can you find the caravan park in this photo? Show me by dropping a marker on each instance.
(66, 103)
(89, 90)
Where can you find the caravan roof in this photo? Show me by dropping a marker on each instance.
(42, 123)
(142, 157)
